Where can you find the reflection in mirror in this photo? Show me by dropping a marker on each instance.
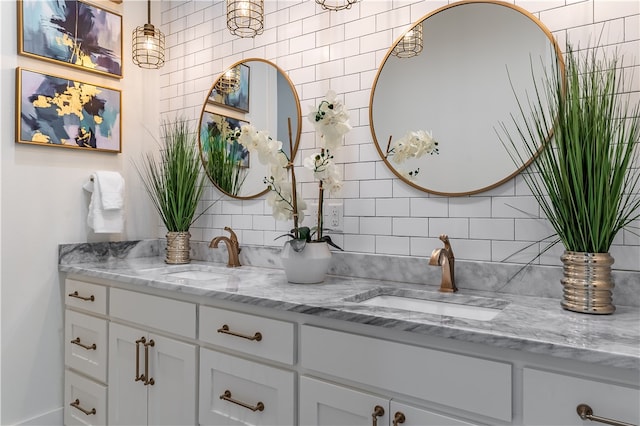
(256, 92)
(457, 91)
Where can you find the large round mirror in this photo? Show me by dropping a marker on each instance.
(457, 86)
(252, 91)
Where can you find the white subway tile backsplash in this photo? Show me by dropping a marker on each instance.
(320, 50)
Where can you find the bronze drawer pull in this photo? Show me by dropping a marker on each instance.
(77, 296)
(586, 413)
(378, 411)
(144, 377)
(225, 330)
(227, 397)
(76, 404)
(399, 418)
(76, 341)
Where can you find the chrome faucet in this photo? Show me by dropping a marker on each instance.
(233, 248)
(444, 257)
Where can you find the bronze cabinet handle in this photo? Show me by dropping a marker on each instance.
(76, 341)
(227, 397)
(586, 413)
(76, 404)
(398, 418)
(378, 411)
(225, 330)
(148, 380)
(138, 375)
(77, 296)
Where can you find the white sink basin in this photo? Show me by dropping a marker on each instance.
(428, 302)
(197, 275)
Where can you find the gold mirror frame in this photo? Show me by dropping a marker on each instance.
(554, 58)
(242, 114)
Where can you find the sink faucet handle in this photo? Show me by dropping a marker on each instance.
(447, 245)
(234, 237)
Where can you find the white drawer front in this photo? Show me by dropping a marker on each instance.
(237, 331)
(472, 384)
(552, 399)
(89, 401)
(245, 382)
(86, 344)
(82, 295)
(172, 316)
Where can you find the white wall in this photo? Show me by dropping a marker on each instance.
(43, 204)
(342, 50)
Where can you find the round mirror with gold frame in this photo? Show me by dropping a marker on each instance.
(252, 91)
(476, 57)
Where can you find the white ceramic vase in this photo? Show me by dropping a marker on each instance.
(308, 266)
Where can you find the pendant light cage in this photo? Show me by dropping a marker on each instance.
(148, 44)
(411, 44)
(336, 4)
(229, 82)
(245, 18)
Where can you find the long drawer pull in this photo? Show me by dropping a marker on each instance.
(227, 397)
(586, 413)
(138, 375)
(87, 298)
(148, 380)
(398, 418)
(378, 411)
(225, 330)
(76, 404)
(76, 341)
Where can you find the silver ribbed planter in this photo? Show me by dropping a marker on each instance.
(178, 248)
(587, 282)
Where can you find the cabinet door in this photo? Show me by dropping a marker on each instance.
(552, 399)
(235, 391)
(172, 397)
(323, 403)
(406, 415)
(127, 397)
(85, 401)
(86, 344)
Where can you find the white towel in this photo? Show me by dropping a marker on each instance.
(106, 209)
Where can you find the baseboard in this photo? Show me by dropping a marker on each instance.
(51, 418)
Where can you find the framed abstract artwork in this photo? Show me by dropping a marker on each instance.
(237, 98)
(71, 32)
(214, 128)
(56, 111)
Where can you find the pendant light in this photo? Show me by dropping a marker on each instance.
(245, 18)
(229, 82)
(411, 43)
(148, 44)
(336, 4)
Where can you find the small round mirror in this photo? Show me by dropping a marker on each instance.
(455, 85)
(252, 91)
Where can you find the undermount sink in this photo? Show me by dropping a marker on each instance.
(452, 305)
(197, 275)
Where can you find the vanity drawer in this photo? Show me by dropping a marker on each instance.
(89, 401)
(231, 388)
(168, 315)
(86, 344)
(276, 338)
(552, 399)
(83, 295)
(477, 385)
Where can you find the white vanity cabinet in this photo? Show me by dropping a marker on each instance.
(552, 398)
(85, 400)
(152, 377)
(239, 391)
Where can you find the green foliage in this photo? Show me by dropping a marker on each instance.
(174, 181)
(586, 176)
(222, 164)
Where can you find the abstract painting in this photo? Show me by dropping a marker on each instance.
(71, 32)
(62, 112)
(215, 126)
(238, 99)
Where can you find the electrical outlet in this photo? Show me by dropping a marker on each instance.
(333, 216)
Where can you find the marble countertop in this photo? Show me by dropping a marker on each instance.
(532, 324)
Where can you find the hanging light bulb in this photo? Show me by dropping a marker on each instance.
(245, 18)
(336, 4)
(148, 44)
(410, 44)
(229, 82)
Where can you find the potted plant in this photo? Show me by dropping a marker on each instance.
(306, 254)
(584, 136)
(175, 184)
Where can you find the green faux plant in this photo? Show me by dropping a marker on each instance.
(586, 175)
(174, 181)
